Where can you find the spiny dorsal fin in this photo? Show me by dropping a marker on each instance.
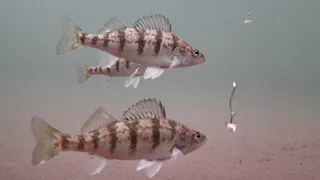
(101, 117)
(146, 108)
(113, 24)
(154, 21)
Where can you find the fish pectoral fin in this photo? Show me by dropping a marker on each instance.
(99, 163)
(106, 59)
(135, 72)
(113, 24)
(175, 154)
(152, 72)
(151, 168)
(174, 63)
(174, 58)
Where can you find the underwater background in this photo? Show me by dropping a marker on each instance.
(274, 61)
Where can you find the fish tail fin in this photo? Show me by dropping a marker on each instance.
(47, 141)
(83, 74)
(70, 39)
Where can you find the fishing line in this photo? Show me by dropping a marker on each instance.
(231, 126)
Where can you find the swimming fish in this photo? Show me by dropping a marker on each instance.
(143, 133)
(150, 42)
(113, 66)
(121, 68)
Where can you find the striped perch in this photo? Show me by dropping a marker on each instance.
(143, 133)
(150, 42)
(121, 68)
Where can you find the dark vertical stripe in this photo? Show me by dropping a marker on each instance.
(94, 40)
(133, 136)
(95, 139)
(81, 142)
(96, 69)
(64, 141)
(141, 41)
(163, 110)
(108, 70)
(173, 129)
(83, 38)
(127, 64)
(157, 45)
(106, 40)
(175, 42)
(155, 133)
(100, 69)
(118, 65)
(113, 138)
(122, 40)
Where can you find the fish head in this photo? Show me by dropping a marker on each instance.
(192, 57)
(190, 141)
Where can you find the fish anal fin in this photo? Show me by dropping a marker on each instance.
(99, 163)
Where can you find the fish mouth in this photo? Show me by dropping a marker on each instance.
(199, 61)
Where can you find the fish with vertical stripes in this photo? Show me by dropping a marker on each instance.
(113, 66)
(142, 133)
(121, 68)
(150, 42)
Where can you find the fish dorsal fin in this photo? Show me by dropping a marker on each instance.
(113, 24)
(146, 108)
(154, 21)
(107, 59)
(101, 117)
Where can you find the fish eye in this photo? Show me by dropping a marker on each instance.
(196, 53)
(197, 136)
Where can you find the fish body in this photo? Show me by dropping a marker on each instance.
(122, 68)
(150, 42)
(113, 66)
(143, 133)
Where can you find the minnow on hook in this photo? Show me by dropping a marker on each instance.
(231, 126)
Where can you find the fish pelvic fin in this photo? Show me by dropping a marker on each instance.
(134, 81)
(150, 168)
(83, 74)
(47, 141)
(70, 39)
